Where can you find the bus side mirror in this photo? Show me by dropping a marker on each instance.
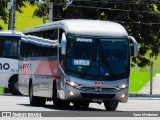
(134, 48)
(63, 44)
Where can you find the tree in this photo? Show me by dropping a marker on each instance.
(42, 10)
(141, 19)
(4, 13)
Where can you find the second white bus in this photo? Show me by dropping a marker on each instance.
(9, 53)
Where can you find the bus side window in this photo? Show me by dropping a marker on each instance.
(51, 34)
(47, 51)
(55, 34)
(1, 48)
(10, 48)
(23, 49)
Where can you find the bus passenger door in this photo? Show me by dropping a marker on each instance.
(61, 84)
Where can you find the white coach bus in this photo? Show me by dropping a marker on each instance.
(9, 48)
(84, 61)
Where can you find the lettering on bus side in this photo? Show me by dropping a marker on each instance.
(4, 66)
(25, 70)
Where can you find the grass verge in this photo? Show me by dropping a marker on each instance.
(138, 80)
(1, 90)
(141, 76)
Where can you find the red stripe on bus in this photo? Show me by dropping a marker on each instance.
(55, 77)
(46, 67)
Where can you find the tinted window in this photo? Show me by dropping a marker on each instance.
(33, 50)
(9, 46)
(96, 57)
(49, 34)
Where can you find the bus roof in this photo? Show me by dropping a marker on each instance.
(10, 33)
(84, 27)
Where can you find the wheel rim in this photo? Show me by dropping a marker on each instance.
(16, 85)
(114, 104)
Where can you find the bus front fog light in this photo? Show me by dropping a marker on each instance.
(123, 96)
(71, 93)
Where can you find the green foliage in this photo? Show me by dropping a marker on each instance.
(42, 10)
(24, 20)
(3, 12)
(20, 4)
(139, 76)
(138, 80)
(1, 90)
(141, 20)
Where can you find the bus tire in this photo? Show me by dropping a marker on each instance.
(83, 105)
(58, 103)
(111, 105)
(77, 105)
(13, 86)
(35, 101)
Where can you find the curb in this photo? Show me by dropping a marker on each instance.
(144, 95)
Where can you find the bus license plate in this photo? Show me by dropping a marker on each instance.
(97, 100)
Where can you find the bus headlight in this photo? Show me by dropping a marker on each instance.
(122, 86)
(71, 83)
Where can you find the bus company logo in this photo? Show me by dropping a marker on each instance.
(4, 66)
(98, 89)
(25, 70)
(99, 83)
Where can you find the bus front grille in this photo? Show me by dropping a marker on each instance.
(99, 96)
(94, 89)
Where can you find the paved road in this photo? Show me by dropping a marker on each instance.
(21, 104)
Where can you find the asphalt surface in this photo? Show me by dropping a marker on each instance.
(135, 105)
(21, 103)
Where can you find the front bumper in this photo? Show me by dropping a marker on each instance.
(95, 96)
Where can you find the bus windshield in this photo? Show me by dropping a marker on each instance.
(9, 46)
(98, 58)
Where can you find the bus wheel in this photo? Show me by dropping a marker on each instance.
(13, 86)
(58, 103)
(35, 101)
(77, 105)
(111, 106)
(83, 105)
